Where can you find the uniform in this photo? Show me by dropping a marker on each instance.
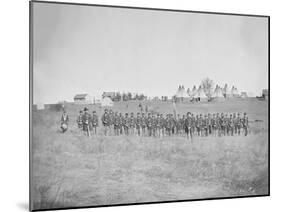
(187, 125)
(197, 124)
(121, 128)
(149, 125)
(126, 124)
(106, 121)
(235, 123)
(214, 125)
(95, 122)
(239, 124)
(116, 124)
(209, 124)
(79, 120)
(218, 126)
(86, 119)
(173, 123)
(225, 125)
(162, 126)
(111, 122)
(158, 125)
(154, 123)
(221, 125)
(178, 125)
(193, 124)
(132, 124)
(205, 126)
(138, 124)
(143, 124)
(231, 126)
(245, 124)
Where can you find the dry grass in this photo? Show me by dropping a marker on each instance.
(73, 170)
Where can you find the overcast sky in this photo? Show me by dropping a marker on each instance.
(84, 49)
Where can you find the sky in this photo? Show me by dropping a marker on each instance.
(85, 49)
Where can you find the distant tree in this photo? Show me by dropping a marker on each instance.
(208, 86)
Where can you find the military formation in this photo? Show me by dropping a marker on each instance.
(158, 125)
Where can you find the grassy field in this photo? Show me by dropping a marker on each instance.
(71, 170)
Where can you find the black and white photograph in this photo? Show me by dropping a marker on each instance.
(139, 105)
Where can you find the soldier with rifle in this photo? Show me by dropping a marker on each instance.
(126, 124)
(213, 124)
(86, 119)
(138, 124)
(238, 123)
(162, 126)
(143, 124)
(116, 124)
(95, 122)
(132, 124)
(235, 123)
(149, 124)
(121, 128)
(205, 125)
(209, 124)
(231, 125)
(106, 122)
(188, 125)
(245, 124)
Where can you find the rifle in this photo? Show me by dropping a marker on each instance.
(88, 131)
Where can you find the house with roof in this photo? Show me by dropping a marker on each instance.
(82, 99)
(265, 93)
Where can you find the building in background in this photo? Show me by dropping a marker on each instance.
(82, 99)
(265, 94)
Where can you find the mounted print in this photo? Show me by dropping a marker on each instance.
(139, 105)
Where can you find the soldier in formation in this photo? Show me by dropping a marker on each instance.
(156, 125)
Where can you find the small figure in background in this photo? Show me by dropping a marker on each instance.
(64, 121)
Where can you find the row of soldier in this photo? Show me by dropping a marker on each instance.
(114, 123)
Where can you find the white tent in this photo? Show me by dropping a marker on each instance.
(106, 102)
(181, 93)
(234, 92)
(40, 106)
(193, 93)
(188, 92)
(226, 91)
(218, 92)
(201, 94)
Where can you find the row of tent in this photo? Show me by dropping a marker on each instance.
(218, 92)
